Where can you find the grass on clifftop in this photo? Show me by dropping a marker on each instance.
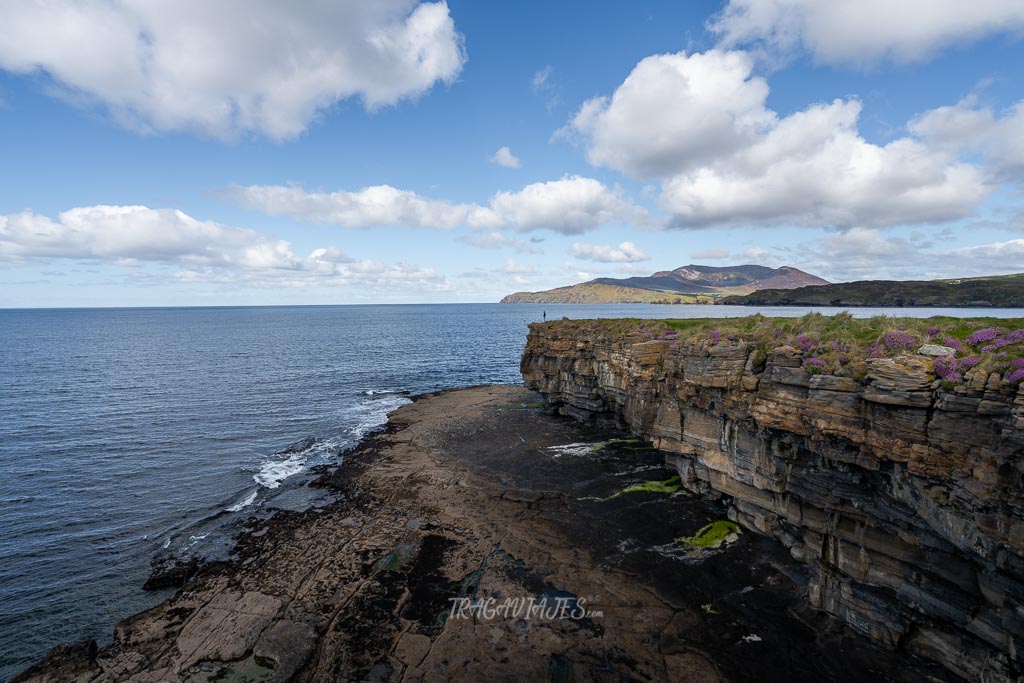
(841, 344)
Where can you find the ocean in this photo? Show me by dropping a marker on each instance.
(125, 433)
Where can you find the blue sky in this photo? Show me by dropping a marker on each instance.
(167, 153)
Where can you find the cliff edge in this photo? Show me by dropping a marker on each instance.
(900, 489)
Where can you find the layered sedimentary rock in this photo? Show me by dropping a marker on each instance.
(903, 498)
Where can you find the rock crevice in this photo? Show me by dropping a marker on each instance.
(902, 498)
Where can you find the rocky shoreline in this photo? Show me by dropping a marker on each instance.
(483, 496)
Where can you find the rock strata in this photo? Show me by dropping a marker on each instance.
(902, 498)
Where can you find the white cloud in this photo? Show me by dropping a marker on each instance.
(207, 251)
(540, 78)
(232, 66)
(969, 127)
(499, 240)
(543, 84)
(998, 257)
(138, 233)
(517, 268)
(371, 206)
(569, 205)
(700, 124)
(505, 157)
(865, 253)
(864, 32)
(674, 112)
(626, 252)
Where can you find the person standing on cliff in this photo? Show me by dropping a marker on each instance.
(545, 316)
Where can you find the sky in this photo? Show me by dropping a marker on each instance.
(252, 152)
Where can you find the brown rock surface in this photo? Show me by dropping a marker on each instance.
(474, 493)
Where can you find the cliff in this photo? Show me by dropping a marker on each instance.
(901, 494)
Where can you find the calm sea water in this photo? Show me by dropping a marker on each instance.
(126, 431)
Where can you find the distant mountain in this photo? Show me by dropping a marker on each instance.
(688, 284)
(1001, 291)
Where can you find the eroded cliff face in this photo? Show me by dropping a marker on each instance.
(903, 498)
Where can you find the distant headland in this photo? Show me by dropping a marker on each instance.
(690, 284)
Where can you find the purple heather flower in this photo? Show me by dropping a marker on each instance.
(716, 337)
(987, 334)
(989, 349)
(953, 369)
(804, 343)
(1010, 338)
(947, 368)
(1015, 376)
(814, 365)
(968, 363)
(1018, 363)
(932, 331)
(954, 344)
(898, 340)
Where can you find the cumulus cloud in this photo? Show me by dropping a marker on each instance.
(499, 240)
(867, 253)
(569, 205)
(699, 124)
(864, 32)
(371, 206)
(994, 258)
(206, 250)
(234, 66)
(970, 127)
(505, 157)
(674, 112)
(626, 252)
(138, 233)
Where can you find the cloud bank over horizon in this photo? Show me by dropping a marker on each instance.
(849, 139)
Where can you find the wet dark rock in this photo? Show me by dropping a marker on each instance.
(63, 663)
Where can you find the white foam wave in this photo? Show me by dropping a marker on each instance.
(273, 472)
(371, 416)
(573, 449)
(192, 540)
(245, 502)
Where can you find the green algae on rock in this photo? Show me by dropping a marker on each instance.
(712, 535)
(670, 485)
